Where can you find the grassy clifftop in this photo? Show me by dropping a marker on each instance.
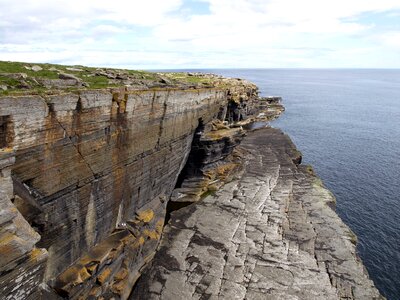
(19, 77)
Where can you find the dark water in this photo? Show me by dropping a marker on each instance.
(347, 124)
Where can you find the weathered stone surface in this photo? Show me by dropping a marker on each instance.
(63, 103)
(212, 160)
(68, 76)
(85, 175)
(268, 234)
(36, 68)
(58, 83)
(91, 171)
(74, 69)
(21, 263)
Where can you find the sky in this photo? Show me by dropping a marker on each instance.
(176, 34)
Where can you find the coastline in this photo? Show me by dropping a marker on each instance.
(269, 233)
(91, 174)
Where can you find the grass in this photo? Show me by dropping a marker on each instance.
(185, 77)
(208, 193)
(8, 81)
(97, 81)
(18, 67)
(51, 71)
(88, 75)
(143, 74)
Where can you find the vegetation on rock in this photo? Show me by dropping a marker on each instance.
(19, 77)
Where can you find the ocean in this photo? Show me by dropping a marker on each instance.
(346, 122)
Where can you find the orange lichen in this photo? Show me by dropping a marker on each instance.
(223, 169)
(119, 287)
(121, 274)
(7, 150)
(152, 234)
(74, 275)
(37, 254)
(139, 242)
(5, 243)
(222, 133)
(146, 216)
(96, 291)
(160, 226)
(104, 276)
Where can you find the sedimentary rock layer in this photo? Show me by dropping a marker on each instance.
(271, 233)
(80, 166)
(85, 178)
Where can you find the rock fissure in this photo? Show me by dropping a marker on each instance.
(76, 147)
(161, 126)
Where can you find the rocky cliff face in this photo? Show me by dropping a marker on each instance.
(85, 179)
(89, 177)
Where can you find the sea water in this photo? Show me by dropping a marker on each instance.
(347, 125)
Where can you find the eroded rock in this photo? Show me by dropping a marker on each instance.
(268, 234)
(85, 176)
(68, 76)
(91, 172)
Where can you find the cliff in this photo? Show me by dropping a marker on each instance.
(94, 162)
(86, 173)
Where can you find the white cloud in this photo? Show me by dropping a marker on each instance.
(149, 12)
(236, 33)
(26, 20)
(391, 39)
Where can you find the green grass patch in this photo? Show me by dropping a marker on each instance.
(97, 81)
(93, 77)
(208, 193)
(4, 80)
(142, 74)
(185, 77)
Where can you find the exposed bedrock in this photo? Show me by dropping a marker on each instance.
(269, 233)
(85, 178)
(88, 179)
(214, 157)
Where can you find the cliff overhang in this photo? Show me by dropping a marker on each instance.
(87, 171)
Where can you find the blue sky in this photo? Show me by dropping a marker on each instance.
(155, 34)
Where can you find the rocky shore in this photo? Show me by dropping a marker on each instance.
(270, 233)
(118, 184)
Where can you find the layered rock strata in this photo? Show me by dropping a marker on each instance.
(213, 158)
(93, 161)
(85, 179)
(270, 233)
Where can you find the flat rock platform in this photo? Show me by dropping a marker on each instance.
(271, 233)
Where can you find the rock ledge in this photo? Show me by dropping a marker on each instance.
(270, 233)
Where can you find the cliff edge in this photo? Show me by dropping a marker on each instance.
(94, 162)
(89, 158)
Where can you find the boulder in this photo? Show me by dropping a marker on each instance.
(36, 68)
(68, 76)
